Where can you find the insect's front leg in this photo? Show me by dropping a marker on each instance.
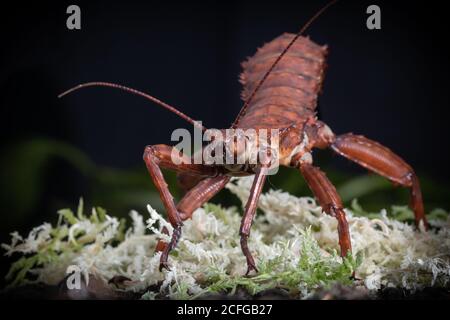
(249, 214)
(161, 156)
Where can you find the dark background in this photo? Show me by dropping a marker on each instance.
(390, 85)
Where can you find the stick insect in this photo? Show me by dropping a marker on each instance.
(281, 85)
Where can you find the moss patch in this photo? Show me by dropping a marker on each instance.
(294, 243)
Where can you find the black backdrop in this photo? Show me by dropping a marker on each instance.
(390, 84)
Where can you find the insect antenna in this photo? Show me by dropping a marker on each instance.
(263, 79)
(138, 93)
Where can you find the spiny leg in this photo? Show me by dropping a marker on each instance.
(161, 156)
(249, 214)
(330, 201)
(195, 198)
(379, 159)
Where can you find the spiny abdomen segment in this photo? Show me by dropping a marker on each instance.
(290, 92)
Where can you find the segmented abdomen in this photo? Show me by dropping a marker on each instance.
(289, 94)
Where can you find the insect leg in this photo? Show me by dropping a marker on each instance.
(381, 160)
(330, 201)
(187, 181)
(200, 194)
(161, 156)
(249, 214)
(195, 198)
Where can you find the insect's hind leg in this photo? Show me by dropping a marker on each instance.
(195, 198)
(330, 201)
(162, 156)
(381, 160)
(187, 181)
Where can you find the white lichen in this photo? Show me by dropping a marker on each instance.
(294, 243)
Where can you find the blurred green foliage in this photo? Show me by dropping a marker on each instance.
(25, 170)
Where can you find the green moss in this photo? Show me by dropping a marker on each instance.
(58, 244)
(313, 270)
(293, 242)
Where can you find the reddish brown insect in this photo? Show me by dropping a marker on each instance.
(281, 85)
